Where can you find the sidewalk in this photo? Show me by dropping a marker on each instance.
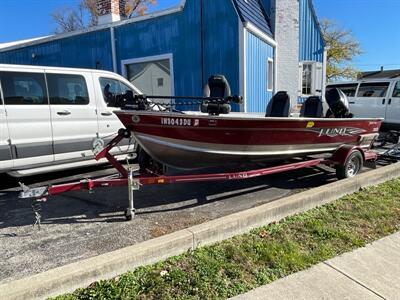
(372, 272)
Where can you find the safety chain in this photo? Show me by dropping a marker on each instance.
(37, 209)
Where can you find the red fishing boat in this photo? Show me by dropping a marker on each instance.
(192, 141)
(216, 137)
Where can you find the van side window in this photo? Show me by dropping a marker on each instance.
(112, 87)
(373, 89)
(67, 89)
(396, 91)
(109, 87)
(20, 88)
(348, 89)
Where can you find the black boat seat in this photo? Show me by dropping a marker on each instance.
(312, 108)
(279, 105)
(217, 86)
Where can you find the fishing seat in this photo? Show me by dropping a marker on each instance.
(279, 105)
(312, 108)
(217, 86)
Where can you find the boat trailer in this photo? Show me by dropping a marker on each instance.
(133, 179)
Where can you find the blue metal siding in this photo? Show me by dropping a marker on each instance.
(252, 11)
(179, 34)
(88, 50)
(257, 54)
(267, 6)
(221, 42)
(311, 40)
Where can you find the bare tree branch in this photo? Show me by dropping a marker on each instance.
(85, 15)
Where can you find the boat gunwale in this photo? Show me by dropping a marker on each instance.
(275, 119)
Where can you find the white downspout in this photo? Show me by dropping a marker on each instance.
(324, 66)
(276, 88)
(113, 51)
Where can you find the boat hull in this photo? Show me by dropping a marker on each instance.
(186, 141)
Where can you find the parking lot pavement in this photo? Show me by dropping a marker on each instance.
(79, 225)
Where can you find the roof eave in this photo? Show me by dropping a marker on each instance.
(175, 9)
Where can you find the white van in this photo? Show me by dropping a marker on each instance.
(374, 98)
(50, 117)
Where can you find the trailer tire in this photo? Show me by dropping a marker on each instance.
(351, 167)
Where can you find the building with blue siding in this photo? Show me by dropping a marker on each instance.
(261, 46)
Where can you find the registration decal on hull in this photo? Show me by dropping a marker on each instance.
(179, 122)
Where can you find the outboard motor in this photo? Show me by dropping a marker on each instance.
(219, 89)
(338, 104)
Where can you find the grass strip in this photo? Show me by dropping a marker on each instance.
(265, 254)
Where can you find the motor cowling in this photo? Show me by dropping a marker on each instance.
(338, 104)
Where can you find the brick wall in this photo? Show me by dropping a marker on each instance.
(110, 10)
(285, 22)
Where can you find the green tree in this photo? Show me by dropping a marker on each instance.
(85, 15)
(342, 48)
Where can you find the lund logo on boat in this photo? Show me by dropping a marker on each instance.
(179, 122)
(332, 132)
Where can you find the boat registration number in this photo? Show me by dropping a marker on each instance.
(179, 122)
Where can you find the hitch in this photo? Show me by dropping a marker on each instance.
(37, 195)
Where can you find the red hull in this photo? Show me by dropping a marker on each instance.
(194, 141)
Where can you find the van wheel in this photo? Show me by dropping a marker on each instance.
(351, 167)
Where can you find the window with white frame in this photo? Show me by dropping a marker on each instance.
(270, 75)
(152, 75)
(310, 78)
(306, 85)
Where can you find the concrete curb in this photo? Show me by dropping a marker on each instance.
(68, 278)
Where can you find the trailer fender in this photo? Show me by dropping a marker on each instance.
(341, 155)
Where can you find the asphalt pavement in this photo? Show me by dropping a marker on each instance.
(80, 225)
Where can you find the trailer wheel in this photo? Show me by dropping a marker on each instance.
(351, 167)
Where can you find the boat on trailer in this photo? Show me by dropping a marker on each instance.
(193, 141)
(216, 137)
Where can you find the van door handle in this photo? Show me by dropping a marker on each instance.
(106, 113)
(352, 102)
(390, 101)
(383, 101)
(63, 113)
